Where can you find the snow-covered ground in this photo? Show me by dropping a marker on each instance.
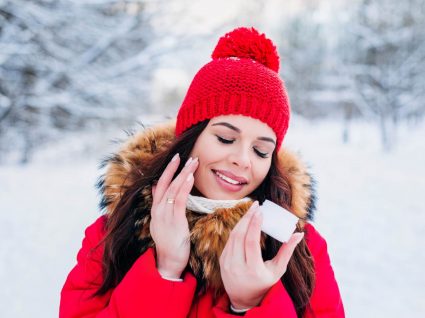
(369, 210)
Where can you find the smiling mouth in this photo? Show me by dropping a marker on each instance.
(227, 179)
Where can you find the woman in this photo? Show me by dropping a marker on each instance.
(181, 236)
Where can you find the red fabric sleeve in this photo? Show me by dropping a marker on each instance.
(141, 293)
(326, 300)
(276, 303)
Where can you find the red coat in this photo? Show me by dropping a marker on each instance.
(144, 293)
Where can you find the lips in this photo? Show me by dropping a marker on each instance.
(230, 177)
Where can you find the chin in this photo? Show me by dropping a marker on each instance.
(217, 194)
(225, 196)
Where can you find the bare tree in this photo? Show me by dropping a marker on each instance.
(303, 54)
(382, 56)
(66, 63)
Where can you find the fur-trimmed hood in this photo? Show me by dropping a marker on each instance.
(141, 147)
(209, 233)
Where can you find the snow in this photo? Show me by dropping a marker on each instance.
(369, 211)
(371, 214)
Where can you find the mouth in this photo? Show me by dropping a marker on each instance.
(229, 179)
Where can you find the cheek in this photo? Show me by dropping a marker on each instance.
(203, 179)
(203, 153)
(208, 153)
(261, 171)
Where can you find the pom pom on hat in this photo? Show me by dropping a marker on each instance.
(248, 43)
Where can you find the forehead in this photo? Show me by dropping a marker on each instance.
(245, 124)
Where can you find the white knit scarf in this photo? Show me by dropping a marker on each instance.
(205, 205)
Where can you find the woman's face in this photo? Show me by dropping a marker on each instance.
(235, 154)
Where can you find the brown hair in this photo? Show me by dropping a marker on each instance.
(123, 247)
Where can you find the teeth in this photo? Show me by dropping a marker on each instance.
(226, 178)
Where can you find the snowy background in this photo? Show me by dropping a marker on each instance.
(370, 211)
(75, 74)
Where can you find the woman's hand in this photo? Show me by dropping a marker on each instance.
(246, 277)
(169, 227)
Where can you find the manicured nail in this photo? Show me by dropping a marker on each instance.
(253, 208)
(194, 160)
(175, 157)
(299, 237)
(258, 214)
(188, 162)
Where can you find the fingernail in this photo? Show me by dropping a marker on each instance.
(253, 208)
(299, 237)
(188, 162)
(193, 161)
(175, 157)
(258, 214)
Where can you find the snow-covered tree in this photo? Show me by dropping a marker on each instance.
(66, 64)
(303, 53)
(74, 64)
(382, 55)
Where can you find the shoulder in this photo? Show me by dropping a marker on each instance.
(92, 247)
(87, 272)
(96, 231)
(315, 241)
(326, 298)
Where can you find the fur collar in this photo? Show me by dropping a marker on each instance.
(209, 233)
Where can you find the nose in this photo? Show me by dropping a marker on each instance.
(241, 158)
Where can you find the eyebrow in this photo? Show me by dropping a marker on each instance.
(239, 131)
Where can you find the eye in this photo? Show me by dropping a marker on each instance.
(261, 154)
(224, 141)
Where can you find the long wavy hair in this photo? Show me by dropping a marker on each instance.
(122, 245)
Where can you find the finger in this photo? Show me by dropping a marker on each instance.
(166, 178)
(285, 252)
(173, 189)
(252, 241)
(243, 223)
(182, 195)
(238, 234)
(166, 207)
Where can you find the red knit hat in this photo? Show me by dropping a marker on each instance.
(242, 79)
